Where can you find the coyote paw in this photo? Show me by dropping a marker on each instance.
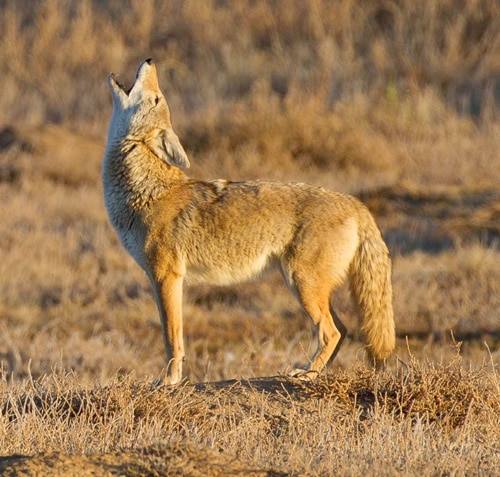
(162, 381)
(303, 374)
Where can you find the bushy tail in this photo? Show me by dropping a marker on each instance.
(371, 288)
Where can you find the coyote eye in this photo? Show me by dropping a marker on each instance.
(157, 100)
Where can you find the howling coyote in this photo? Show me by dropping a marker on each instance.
(224, 232)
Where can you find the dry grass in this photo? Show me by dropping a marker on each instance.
(395, 102)
(425, 418)
(370, 94)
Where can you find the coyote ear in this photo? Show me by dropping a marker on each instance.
(165, 144)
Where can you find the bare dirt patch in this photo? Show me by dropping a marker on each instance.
(156, 460)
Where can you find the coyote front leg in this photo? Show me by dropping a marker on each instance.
(168, 294)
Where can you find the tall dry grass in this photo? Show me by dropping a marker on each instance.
(351, 95)
(324, 84)
(218, 51)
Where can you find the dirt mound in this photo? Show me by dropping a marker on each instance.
(156, 460)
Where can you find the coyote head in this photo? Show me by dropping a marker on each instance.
(141, 115)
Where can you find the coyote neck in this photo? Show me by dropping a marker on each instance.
(138, 175)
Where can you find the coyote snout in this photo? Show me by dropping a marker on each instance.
(223, 232)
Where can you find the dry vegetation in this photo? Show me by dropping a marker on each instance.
(397, 102)
(426, 419)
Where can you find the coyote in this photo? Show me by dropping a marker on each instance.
(223, 232)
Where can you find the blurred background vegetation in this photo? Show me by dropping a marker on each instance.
(395, 101)
(389, 87)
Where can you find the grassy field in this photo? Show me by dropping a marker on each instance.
(394, 102)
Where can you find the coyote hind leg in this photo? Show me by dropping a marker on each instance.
(315, 301)
(330, 330)
(341, 328)
(313, 271)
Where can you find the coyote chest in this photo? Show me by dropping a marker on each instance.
(130, 186)
(124, 221)
(132, 240)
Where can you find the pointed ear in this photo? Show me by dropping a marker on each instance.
(165, 144)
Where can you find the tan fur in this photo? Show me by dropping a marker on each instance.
(222, 232)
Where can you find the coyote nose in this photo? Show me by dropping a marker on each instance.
(149, 61)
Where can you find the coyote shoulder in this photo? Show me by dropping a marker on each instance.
(221, 232)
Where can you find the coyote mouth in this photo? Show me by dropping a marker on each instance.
(120, 85)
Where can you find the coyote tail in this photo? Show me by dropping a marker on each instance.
(371, 288)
